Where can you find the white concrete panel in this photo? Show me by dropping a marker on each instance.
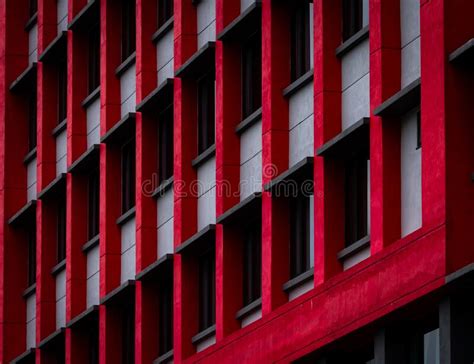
(207, 35)
(206, 22)
(127, 90)
(206, 206)
(92, 297)
(410, 169)
(93, 261)
(128, 265)
(356, 258)
(61, 284)
(31, 307)
(31, 334)
(93, 123)
(165, 238)
(251, 176)
(167, 71)
(206, 176)
(62, 15)
(251, 142)
(244, 4)
(410, 66)
(61, 151)
(251, 318)
(409, 20)
(356, 102)
(301, 141)
(164, 205)
(61, 313)
(128, 232)
(206, 343)
(301, 105)
(31, 180)
(300, 290)
(164, 49)
(355, 64)
(33, 44)
(365, 12)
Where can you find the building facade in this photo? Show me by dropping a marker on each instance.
(236, 181)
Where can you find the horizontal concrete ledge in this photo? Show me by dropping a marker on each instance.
(244, 25)
(199, 241)
(155, 270)
(402, 102)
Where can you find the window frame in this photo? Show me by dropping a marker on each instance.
(206, 120)
(93, 69)
(32, 255)
(352, 18)
(128, 333)
(300, 239)
(166, 144)
(128, 29)
(418, 129)
(206, 289)
(251, 81)
(252, 263)
(165, 11)
(61, 230)
(300, 40)
(165, 316)
(93, 206)
(127, 175)
(32, 121)
(62, 90)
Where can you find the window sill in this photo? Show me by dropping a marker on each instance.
(246, 209)
(204, 156)
(250, 308)
(123, 130)
(94, 95)
(156, 270)
(249, 121)
(30, 156)
(402, 102)
(26, 357)
(88, 160)
(29, 291)
(300, 173)
(56, 50)
(57, 186)
(58, 268)
(165, 28)
(125, 65)
(164, 358)
(52, 339)
(25, 80)
(158, 99)
(126, 216)
(298, 280)
(92, 243)
(298, 84)
(352, 42)
(59, 128)
(163, 188)
(354, 248)
(244, 25)
(198, 242)
(23, 216)
(349, 141)
(203, 335)
(84, 317)
(32, 21)
(120, 294)
(464, 54)
(199, 63)
(86, 17)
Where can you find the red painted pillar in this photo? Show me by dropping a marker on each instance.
(329, 202)
(385, 63)
(275, 143)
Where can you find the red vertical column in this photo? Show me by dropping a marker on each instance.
(13, 148)
(329, 204)
(385, 76)
(228, 111)
(185, 204)
(146, 156)
(275, 77)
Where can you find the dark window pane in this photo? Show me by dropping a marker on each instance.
(33, 7)
(165, 11)
(165, 153)
(252, 263)
(94, 58)
(299, 235)
(93, 208)
(61, 230)
(351, 18)
(418, 130)
(300, 40)
(206, 112)
(32, 255)
(32, 133)
(128, 176)
(251, 74)
(94, 343)
(207, 290)
(128, 334)
(356, 199)
(62, 91)
(166, 316)
(128, 28)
